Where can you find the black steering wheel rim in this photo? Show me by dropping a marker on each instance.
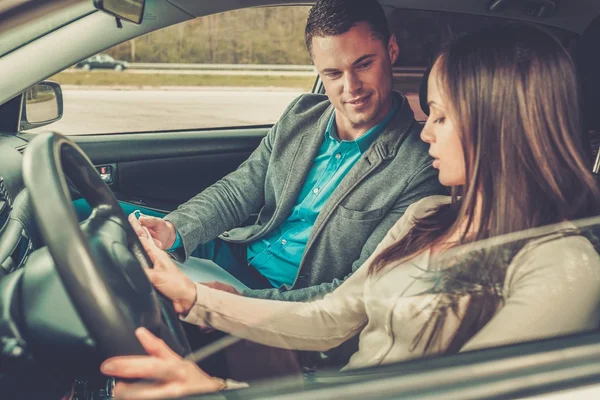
(96, 284)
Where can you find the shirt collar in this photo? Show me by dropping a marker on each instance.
(365, 141)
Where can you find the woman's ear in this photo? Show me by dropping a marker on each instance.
(393, 49)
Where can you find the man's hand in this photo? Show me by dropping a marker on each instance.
(161, 231)
(172, 376)
(168, 279)
(222, 287)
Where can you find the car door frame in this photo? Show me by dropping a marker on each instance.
(507, 372)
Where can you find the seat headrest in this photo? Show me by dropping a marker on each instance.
(423, 91)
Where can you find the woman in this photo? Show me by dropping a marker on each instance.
(504, 132)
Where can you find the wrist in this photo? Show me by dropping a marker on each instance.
(218, 384)
(190, 298)
(172, 235)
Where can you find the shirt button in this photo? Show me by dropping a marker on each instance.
(316, 190)
(338, 156)
(284, 242)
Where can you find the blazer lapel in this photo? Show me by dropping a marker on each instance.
(384, 147)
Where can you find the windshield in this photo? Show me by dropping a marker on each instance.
(15, 38)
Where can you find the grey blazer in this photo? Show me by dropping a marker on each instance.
(393, 173)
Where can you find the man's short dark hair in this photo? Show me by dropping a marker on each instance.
(336, 17)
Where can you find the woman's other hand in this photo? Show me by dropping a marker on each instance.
(168, 279)
(165, 374)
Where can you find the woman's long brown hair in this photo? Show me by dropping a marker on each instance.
(514, 99)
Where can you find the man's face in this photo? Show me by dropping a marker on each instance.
(356, 70)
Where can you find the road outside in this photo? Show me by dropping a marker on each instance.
(99, 111)
(116, 111)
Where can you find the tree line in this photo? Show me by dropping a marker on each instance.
(275, 35)
(270, 35)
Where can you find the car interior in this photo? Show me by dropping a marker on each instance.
(63, 200)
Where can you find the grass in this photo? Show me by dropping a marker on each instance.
(110, 78)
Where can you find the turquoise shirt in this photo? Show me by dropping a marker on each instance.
(277, 256)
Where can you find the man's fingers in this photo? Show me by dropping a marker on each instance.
(151, 222)
(155, 346)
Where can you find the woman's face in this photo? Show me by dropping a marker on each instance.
(441, 134)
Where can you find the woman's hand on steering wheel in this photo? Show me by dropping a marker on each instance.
(165, 374)
(168, 279)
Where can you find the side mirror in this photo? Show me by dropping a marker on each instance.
(129, 10)
(42, 105)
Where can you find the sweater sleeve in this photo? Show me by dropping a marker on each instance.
(318, 325)
(552, 289)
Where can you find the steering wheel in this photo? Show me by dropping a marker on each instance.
(101, 261)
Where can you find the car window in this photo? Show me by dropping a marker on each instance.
(206, 74)
(238, 68)
(422, 34)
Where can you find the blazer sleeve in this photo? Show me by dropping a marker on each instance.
(227, 203)
(318, 325)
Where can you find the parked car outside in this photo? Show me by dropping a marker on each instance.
(102, 61)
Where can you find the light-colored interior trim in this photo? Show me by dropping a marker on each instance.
(574, 17)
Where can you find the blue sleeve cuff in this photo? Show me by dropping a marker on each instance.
(178, 243)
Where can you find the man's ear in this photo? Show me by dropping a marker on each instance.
(393, 49)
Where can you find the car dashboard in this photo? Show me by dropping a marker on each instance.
(25, 309)
(18, 231)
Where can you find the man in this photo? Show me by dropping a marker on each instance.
(328, 181)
